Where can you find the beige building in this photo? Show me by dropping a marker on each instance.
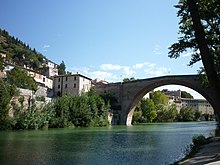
(38, 77)
(72, 84)
(201, 105)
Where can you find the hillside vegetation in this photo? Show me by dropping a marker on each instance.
(19, 53)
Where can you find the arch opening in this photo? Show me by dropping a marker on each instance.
(201, 101)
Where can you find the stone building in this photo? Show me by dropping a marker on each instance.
(72, 84)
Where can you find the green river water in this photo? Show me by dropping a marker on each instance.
(149, 144)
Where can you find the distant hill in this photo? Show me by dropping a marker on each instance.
(20, 53)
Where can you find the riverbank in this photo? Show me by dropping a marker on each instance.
(208, 154)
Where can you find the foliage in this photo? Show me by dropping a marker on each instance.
(40, 98)
(6, 93)
(209, 15)
(187, 114)
(18, 52)
(20, 78)
(185, 94)
(1, 64)
(167, 114)
(89, 109)
(148, 109)
(128, 79)
(137, 116)
(159, 98)
(62, 68)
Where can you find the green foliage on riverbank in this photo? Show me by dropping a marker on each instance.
(157, 109)
(7, 91)
(87, 110)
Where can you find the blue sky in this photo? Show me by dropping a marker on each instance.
(105, 39)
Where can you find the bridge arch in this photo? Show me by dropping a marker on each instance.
(130, 93)
(151, 86)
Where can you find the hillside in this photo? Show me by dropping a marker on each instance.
(20, 53)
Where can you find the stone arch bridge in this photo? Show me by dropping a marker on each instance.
(127, 94)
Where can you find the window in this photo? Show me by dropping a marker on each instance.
(44, 79)
(58, 86)
(74, 86)
(75, 78)
(59, 79)
(66, 78)
(66, 86)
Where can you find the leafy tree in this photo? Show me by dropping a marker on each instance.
(148, 109)
(18, 52)
(187, 114)
(167, 113)
(185, 94)
(4, 98)
(6, 93)
(62, 68)
(128, 79)
(137, 116)
(1, 64)
(159, 98)
(200, 29)
(197, 115)
(20, 78)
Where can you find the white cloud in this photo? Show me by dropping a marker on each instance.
(157, 71)
(157, 50)
(45, 47)
(103, 76)
(126, 69)
(141, 65)
(83, 70)
(138, 66)
(110, 67)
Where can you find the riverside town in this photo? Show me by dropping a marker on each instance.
(110, 82)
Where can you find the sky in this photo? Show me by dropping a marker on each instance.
(104, 39)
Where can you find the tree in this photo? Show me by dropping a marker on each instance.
(187, 114)
(200, 27)
(128, 79)
(20, 78)
(1, 64)
(62, 68)
(148, 109)
(185, 94)
(159, 98)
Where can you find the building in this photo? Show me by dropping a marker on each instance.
(176, 94)
(72, 84)
(41, 79)
(201, 105)
(49, 68)
(38, 77)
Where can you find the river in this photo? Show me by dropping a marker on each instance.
(148, 144)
